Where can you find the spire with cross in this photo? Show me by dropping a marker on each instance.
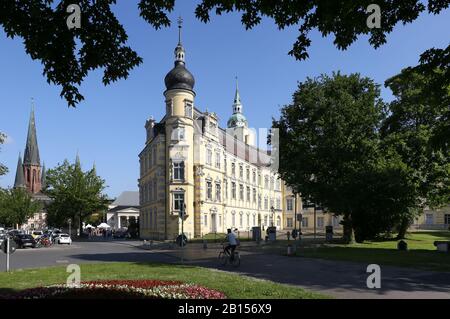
(179, 50)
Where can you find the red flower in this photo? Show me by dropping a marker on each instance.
(120, 289)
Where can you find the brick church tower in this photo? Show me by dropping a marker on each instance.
(30, 174)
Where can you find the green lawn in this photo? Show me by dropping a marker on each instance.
(234, 286)
(421, 252)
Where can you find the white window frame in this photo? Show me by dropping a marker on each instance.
(176, 200)
(218, 192)
(178, 166)
(209, 191)
(289, 204)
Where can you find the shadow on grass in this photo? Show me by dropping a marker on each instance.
(416, 258)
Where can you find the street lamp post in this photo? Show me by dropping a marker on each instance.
(315, 214)
(70, 228)
(273, 214)
(295, 213)
(182, 214)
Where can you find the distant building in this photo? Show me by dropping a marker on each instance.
(30, 175)
(438, 219)
(123, 210)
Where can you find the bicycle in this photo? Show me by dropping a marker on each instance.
(225, 257)
(43, 242)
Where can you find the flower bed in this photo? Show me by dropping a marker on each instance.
(120, 289)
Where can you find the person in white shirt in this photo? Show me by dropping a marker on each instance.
(232, 243)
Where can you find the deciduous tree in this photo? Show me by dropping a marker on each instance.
(17, 206)
(3, 168)
(329, 139)
(418, 129)
(75, 194)
(101, 42)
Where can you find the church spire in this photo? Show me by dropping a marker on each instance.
(20, 179)
(31, 156)
(77, 161)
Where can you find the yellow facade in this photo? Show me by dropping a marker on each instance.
(216, 176)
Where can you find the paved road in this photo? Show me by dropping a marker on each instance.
(336, 278)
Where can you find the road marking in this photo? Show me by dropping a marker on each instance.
(62, 261)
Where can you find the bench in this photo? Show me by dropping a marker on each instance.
(442, 246)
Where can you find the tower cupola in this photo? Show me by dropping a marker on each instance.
(237, 119)
(179, 77)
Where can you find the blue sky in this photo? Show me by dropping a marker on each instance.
(108, 127)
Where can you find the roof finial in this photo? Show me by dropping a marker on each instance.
(180, 25)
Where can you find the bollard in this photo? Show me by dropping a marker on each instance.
(205, 244)
(289, 250)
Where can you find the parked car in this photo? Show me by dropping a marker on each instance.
(14, 232)
(37, 233)
(54, 234)
(63, 238)
(24, 241)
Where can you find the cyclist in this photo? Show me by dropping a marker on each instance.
(232, 243)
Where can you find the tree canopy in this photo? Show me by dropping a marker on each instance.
(17, 206)
(378, 164)
(417, 128)
(75, 194)
(3, 168)
(68, 55)
(330, 129)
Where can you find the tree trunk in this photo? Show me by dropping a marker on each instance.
(403, 227)
(80, 225)
(348, 235)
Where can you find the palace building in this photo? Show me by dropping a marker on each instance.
(217, 177)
